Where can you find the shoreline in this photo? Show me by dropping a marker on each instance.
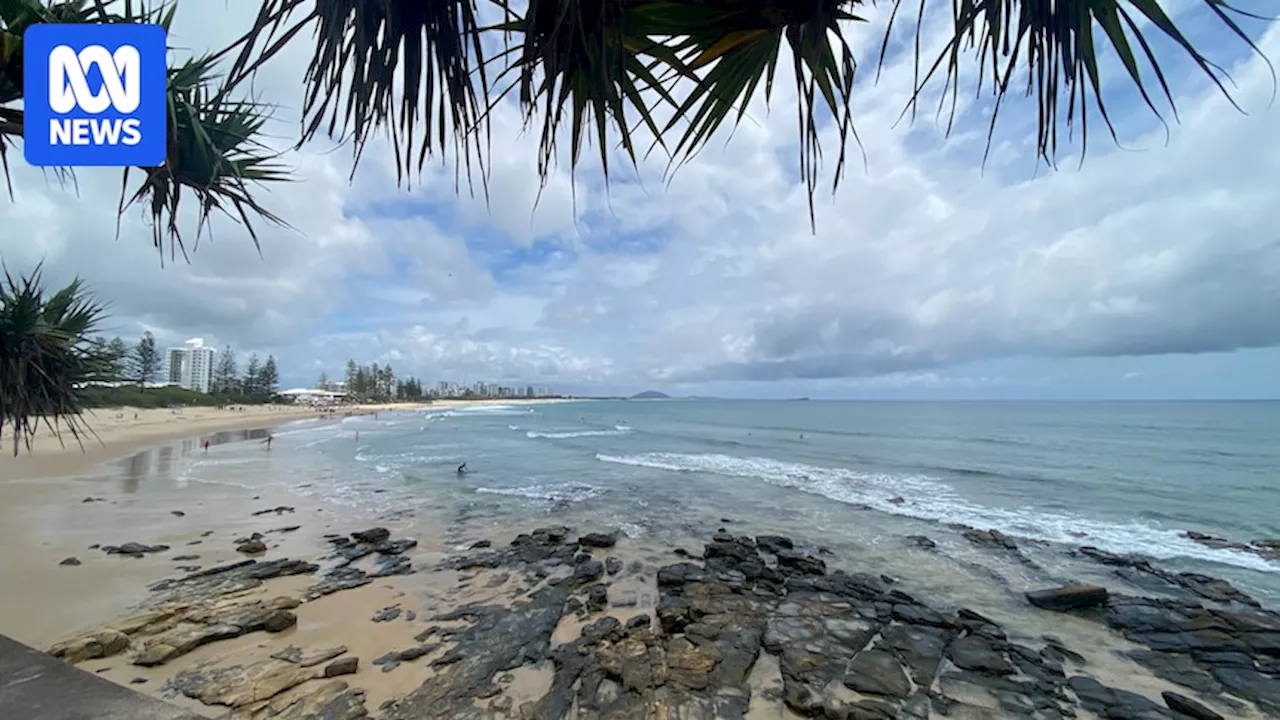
(446, 617)
(124, 431)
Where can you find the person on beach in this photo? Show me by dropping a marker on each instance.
(205, 445)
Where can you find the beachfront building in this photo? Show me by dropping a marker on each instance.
(313, 396)
(189, 366)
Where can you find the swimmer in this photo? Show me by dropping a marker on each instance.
(462, 469)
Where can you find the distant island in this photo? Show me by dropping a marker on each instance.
(650, 395)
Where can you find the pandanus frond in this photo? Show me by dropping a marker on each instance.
(46, 356)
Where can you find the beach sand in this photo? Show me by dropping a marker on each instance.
(57, 504)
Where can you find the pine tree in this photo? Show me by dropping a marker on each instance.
(224, 373)
(146, 359)
(252, 377)
(323, 382)
(269, 378)
(352, 371)
(119, 354)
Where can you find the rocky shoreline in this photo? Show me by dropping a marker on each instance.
(748, 627)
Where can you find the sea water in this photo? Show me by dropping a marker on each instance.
(852, 478)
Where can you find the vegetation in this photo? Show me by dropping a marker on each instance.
(146, 360)
(45, 356)
(619, 73)
(140, 397)
(370, 383)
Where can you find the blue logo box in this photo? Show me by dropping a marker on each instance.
(94, 95)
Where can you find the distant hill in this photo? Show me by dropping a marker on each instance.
(650, 395)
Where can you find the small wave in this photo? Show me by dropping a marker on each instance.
(557, 492)
(513, 427)
(929, 498)
(577, 433)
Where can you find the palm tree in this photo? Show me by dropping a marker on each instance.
(666, 73)
(47, 354)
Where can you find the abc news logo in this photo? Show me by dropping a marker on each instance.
(69, 90)
(95, 95)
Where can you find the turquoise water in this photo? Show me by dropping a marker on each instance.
(1126, 477)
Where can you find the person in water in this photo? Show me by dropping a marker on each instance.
(462, 469)
(268, 441)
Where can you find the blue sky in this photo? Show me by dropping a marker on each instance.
(1152, 271)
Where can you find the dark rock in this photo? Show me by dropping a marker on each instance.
(133, 549)
(138, 681)
(897, 500)
(774, 543)
(387, 614)
(586, 572)
(920, 541)
(278, 510)
(181, 558)
(877, 672)
(392, 660)
(481, 544)
(801, 563)
(639, 621)
(1068, 597)
(978, 654)
(1113, 702)
(990, 538)
(345, 666)
(286, 529)
(1187, 706)
(252, 547)
(372, 536)
(70, 561)
(597, 598)
(599, 540)
(177, 513)
(612, 565)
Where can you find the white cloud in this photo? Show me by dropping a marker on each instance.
(922, 261)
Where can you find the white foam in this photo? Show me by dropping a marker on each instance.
(930, 498)
(556, 492)
(577, 433)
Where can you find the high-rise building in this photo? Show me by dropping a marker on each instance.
(190, 366)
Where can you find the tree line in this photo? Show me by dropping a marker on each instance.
(142, 363)
(372, 383)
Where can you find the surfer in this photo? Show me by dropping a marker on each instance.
(462, 469)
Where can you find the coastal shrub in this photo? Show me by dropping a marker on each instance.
(46, 355)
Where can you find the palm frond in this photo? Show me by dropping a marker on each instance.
(1056, 45)
(46, 357)
(214, 154)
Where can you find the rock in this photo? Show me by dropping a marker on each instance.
(597, 598)
(133, 549)
(372, 536)
(481, 544)
(1068, 597)
(279, 510)
(177, 513)
(799, 562)
(978, 654)
(71, 561)
(345, 666)
(387, 614)
(921, 541)
(181, 558)
(279, 621)
(990, 538)
(774, 543)
(1187, 706)
(599, 540)
(877, 672)
(392, 660)
(329, 700)
(612, 565)
(897, 500)
(100, 643)
(297, 656)
(240, 685)
(252, 547)
(501, 704)
(138, 681)
(586, 572)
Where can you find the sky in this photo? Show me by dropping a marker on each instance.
(1152, 270)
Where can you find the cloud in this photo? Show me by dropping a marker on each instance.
(922, 264)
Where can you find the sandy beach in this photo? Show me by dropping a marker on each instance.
(222, 597)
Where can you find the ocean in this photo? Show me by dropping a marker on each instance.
(852, 478)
